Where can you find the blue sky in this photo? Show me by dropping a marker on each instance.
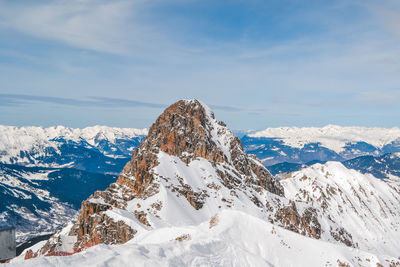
(257, 63)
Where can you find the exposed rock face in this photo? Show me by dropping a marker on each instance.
(186, 130)
(189, 168)
(352, 208)
(305, 224)
(93, 229)
(29, 254)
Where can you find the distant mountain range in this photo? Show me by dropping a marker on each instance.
(382, 167)
(48, 172)
(192, 196)
(45, 173)
(95, 149)
(330, 143)
(39, 200)
(91, 148)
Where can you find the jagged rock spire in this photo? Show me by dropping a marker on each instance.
(186, 131)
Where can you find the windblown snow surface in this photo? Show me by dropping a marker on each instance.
(231, 238)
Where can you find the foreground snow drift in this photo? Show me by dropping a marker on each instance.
(231, 238)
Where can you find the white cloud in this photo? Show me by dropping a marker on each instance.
(95, 25)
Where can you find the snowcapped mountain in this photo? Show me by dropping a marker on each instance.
(62, 146)
(384, 166)
(45, 173)
(103, 149)
(333, 137)
(301, 145)
(381, 167)
(38, 201)
(26, 205)
(191, 185)
(82, 148)
(188, 168)
(367, 209)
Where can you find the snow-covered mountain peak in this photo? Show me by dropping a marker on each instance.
(190, 126)
(188, 168)
(188, 130)
(191, 167)
(367, 209)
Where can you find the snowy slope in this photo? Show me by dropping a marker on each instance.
(232, 238)
(45, 173)
(174, 183)
(173, 175)
(39, 201)
(366, 208)
(332, 136)
(191, 167)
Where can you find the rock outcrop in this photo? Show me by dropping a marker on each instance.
(354, 209)
(188, 169)
(305, 224)
(188, 131)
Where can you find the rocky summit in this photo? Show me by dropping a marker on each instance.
(191, 167)
(187, 158)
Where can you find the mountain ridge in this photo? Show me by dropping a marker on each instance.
(186, 133)
(190, 167)
(30, 145)
(331, 136)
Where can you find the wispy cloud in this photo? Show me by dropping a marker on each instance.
(117, 102)
(99, 102)
(104, 26)
(226, 108)
(103, 102)
(318, 56)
